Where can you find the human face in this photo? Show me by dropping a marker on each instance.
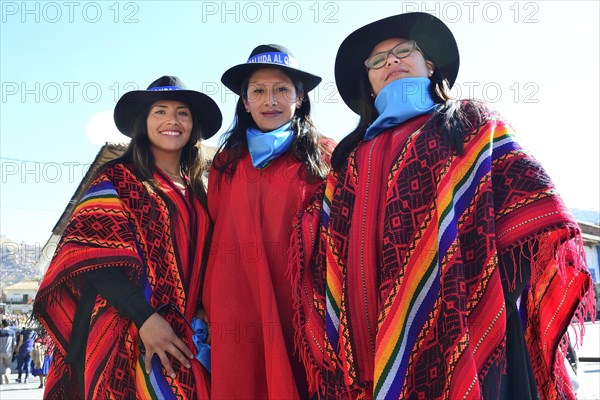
(271, 98)
(414, 66)
(169, 125)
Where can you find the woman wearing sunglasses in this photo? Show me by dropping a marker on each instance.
(270, 164)
(125, 278)
(445, 265)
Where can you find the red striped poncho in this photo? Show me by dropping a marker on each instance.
(398, 290)
(120, 223)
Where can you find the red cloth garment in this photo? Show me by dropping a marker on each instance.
(397, 282)
(158, 245)
(246, 295)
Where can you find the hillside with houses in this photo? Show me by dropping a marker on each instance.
(18, 261)
(19, 276)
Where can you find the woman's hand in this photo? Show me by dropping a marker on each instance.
(159, 338)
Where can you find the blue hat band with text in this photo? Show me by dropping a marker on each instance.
(275, 58)
(165, 88)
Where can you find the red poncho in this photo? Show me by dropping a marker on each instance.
(119, 223)
(247, 296)
(398, 284)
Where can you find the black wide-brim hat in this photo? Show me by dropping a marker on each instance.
(268, 56)
(204, 110)
(431, 35)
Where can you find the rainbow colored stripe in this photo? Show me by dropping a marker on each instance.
(101, 194)
(154, 385)
(334, 275)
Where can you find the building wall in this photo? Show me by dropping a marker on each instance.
(16, 296)
(592, 257)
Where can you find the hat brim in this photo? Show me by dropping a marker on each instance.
(203, 108)
(234, 76)
(431, 35)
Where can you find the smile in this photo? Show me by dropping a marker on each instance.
(170, 133)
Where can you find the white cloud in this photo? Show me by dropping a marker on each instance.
(101, 128)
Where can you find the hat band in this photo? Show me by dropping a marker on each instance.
(275, 58)
(164, 88)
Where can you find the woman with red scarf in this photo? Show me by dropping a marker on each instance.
(125, 279)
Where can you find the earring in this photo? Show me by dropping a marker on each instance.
(372, 95)
(430, 72)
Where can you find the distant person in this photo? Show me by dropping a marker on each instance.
(25, 342)
(441, 262)
(8, 342)
(124, 284)
(272, 161)
(41, 357)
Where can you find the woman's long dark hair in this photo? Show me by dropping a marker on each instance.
(307, 146)
(192, 162)
(451, 120)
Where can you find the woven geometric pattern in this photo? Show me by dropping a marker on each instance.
(414, 234)
(122, 223)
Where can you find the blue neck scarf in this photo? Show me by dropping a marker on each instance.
(264, 147)
(398, 101)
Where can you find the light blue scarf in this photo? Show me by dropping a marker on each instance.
(264, 147)
(398, 101)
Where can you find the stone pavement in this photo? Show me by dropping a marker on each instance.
(21, 391)
(588, 371)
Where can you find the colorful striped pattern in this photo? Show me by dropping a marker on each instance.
(408, 311)
(327, 197)
(441, 322)
(409, 308)
(154, 385)
(102, 194)
(334, 276)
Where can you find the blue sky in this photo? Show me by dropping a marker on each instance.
(63, 66)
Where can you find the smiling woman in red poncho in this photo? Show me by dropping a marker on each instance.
(269, 166)
(125, 278)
